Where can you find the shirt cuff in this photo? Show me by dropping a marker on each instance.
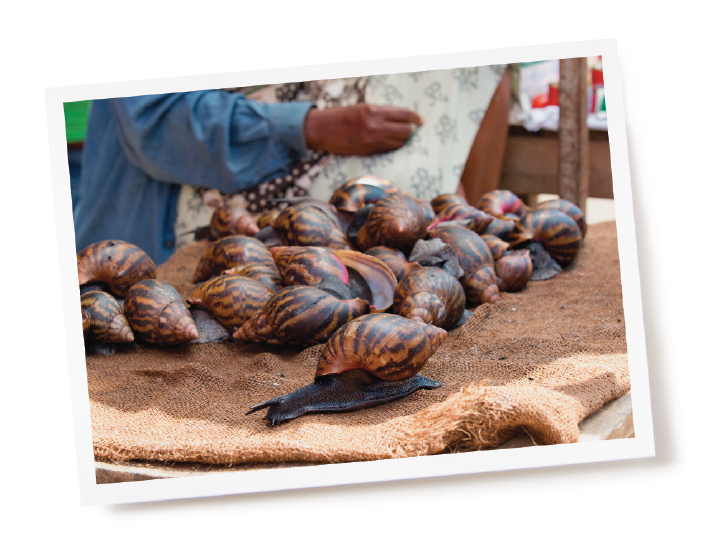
(287, 124)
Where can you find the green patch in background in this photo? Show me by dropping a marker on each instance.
(76, 115)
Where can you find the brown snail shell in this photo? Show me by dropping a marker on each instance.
(508, 230)
(228, 252)
(307, 265)
(446, 200)
(476, 219)
(479, 279)
(559, 234)
(355, 194)
(497, 246)
(394, 259)
(430, 295)
(267, 218)
(307, 225)
(107, 322)
(157, 314)
(229, 221)
(377, 278)
(302, 315)
(232, 299)
(503, 204)
(567, 207)
(371, 360)
(267, 274)
(514, 270)
(396, 221)
(118, 264)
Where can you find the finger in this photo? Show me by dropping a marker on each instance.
(395, 114)
(400, 131)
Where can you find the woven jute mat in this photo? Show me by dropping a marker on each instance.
(541, 360)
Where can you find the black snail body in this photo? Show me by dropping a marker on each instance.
(372, 360)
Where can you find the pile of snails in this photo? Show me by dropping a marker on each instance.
(375, 275)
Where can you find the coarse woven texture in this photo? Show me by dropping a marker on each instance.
(541, 359)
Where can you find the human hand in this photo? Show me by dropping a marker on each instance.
(359, 130)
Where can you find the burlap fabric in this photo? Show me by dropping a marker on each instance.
(542, 359)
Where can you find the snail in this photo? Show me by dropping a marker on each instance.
(430, 295)
(305, 224)
(371, 360)
(394, 259)
(514, 270)
(475, 219)
(86, 323)
(479, 279)
(507, 229)
(442, 202)
(503, 204)
(556, 231)
(300, 315)
(497, 246)
(228, 221)
(567, 207)
(157, 314)
(396, 221)
(231, 299)
(267, 218)
(360, 192)
(114, 262)
(307, 265)
(228, 252)
(107, 323)
(267, 274)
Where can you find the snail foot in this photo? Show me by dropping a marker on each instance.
(464, 318)
(209, 329)
(436, 253)
(349, 391)
(544, 266)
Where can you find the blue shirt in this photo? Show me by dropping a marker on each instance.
(139, 150)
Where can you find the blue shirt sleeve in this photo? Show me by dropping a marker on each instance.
(212, 139)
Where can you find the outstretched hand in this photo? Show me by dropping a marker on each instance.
(359, 130)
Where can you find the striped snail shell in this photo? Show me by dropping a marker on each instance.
(228, 252)
(267, 218)
(302, 315)
(476, 219)
(556, 231)
(353, 195)
(229, 221)
(231, 299)
(107, 323)
(394, 259)
(371, 360)
(514, 270)
(509, 230)
(497, 246)
(308, 225)
(157, 314)
(307, 265)
(569, 208)
(430, 295)
(114, 262)
(86, 322)
(396, 221)
(479, 279)
(503, 204)
(446, 200)
(267, 274)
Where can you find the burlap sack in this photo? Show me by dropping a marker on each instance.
(541, 359)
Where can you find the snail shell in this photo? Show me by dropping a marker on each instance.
(267, 274)
(267, 218)
(228, 252)
(231, 299)
(307, 225)
(307, 265)
(477, 220)
(157, 314)
(514, 270)
(497, 246)
(106, 319)
(354, 195)
(118, 264)
(396, 221)
(569, 208)
(371, 360)
(303, 315)
(442, 202)
(479, 279)
(559, 234)
(430, 295)
(228, 221)
(508, 230)
(503, 204)
(394, 259)
(86, 323)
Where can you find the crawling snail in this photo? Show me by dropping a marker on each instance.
(114, 262)
(371, 360)
(228, 252)
(106, 320)
(157, 314)
(229, 221)
(430, 295)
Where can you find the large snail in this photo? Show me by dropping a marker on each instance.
(360, 192)
(556, 231)
(114, 262)
(300, 315)
(567, 207)
(157, 314)
(430, 295)
(473, 218)
(232, 299)
(228, 252)
(106, 320)
(503, 204)
(306, 224)
(371, 360)
(267, 274)
(446, 200)
(513, 270)
(229, 221)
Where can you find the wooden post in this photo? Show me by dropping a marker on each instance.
(573, 135)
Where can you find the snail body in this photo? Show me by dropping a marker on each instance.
(228, 221)
(556, 231)
(300, 315)
(106, 320)
(228, 252)
(118, 264)
(396, 221)
(157, 314)
(503, 204)
(371, 360)
(305, 224)
(430, 295)
(479, 279)
(232, 299)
